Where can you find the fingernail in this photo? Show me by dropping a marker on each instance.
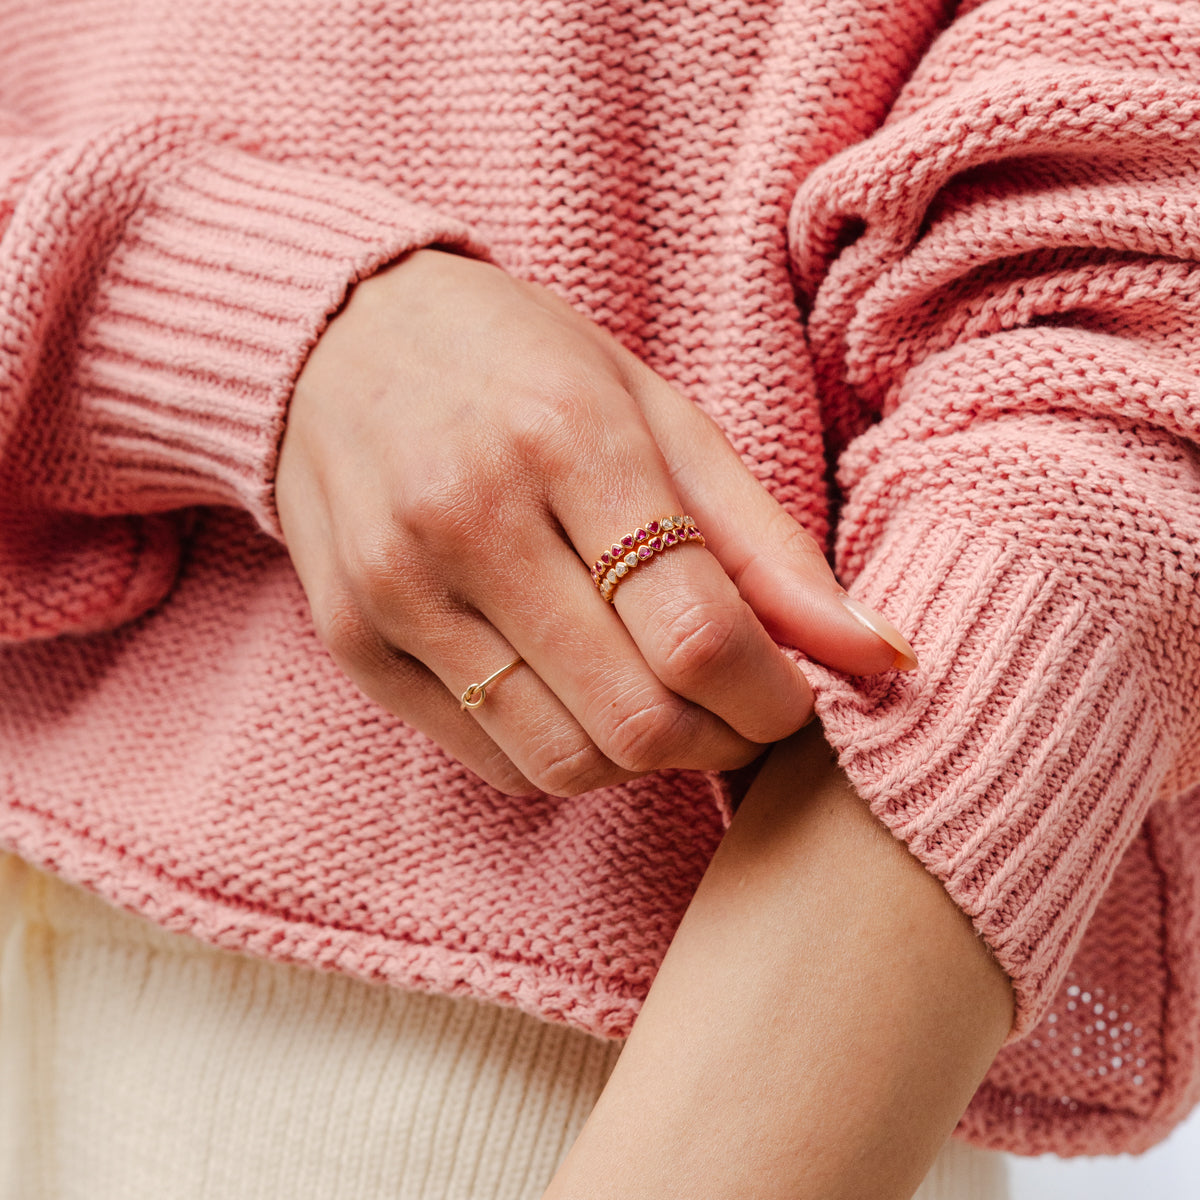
(881, 627)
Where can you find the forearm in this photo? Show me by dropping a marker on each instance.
(819, 1024)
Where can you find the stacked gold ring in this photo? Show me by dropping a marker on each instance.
(655, 537)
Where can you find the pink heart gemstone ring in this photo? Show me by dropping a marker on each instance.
(629, 552)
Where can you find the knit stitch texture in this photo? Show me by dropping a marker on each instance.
(950, 252)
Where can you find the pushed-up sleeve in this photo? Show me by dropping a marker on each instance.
(1002, 291)
(159, 290)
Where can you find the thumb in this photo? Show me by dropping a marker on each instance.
(778, 568)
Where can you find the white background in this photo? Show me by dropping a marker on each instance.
(1170, 1171)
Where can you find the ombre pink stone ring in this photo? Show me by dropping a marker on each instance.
(638, 547)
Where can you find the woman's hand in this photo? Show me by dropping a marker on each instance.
(461, 447)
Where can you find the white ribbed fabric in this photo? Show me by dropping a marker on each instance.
(136, 1063)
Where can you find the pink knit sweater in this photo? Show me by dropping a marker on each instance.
(955, 250)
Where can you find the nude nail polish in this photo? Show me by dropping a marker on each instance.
(881, 627)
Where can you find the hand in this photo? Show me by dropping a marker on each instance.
(461, 447)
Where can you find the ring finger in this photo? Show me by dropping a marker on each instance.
(583, 711)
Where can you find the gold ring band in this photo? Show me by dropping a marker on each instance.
(476, 694)
(655, 537)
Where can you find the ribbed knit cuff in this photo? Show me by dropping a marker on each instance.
(1019, 760)
(207, 310)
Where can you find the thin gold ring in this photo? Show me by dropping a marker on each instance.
(476, 694)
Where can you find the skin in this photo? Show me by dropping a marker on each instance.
(460, 447)
(818, 1026)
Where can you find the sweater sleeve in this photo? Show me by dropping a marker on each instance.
(159, 290)
(1002, 290)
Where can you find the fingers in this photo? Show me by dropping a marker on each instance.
(460, 447)
(410, 691)
(705, 642)
(700, 640)
(604, 472)
(586, 657)
(680, 673)
(519, 739)
(463, 596)
(583, 710)
(684, 633)
(340, 600)
(776, 566)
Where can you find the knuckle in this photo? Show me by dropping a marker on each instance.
(644, 738)
(552, 428)
(388, 576)
(544, 435)
(794, 541)
(705, 638)
(442, 507)
(343, 629)
(370, 562)
(567, 770)
(499, 772)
